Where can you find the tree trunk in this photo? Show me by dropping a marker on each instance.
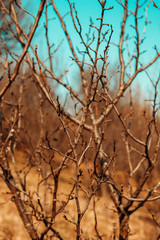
(123, 227)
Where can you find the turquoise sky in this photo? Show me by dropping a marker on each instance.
(91, 8)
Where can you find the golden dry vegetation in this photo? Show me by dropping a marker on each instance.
(11, 226)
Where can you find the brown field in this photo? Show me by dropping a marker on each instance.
(11, 227)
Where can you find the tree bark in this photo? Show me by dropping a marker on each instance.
(123, 227)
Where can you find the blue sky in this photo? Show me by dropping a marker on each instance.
(91, 8)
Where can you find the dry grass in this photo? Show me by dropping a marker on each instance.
(11, 227)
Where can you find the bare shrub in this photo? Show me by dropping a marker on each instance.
(92, 157)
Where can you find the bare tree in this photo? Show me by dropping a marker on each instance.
(86, 148)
